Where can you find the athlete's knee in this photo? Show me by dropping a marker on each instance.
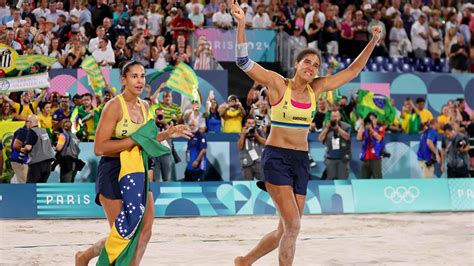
(292, 227)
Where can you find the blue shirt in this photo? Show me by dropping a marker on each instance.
(20, 134)
(213, 123)
(195, 145)
(59, 115)
(424, 153)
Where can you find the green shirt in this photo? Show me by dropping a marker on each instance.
(173, 109)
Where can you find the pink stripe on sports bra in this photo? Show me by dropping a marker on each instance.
(300, 105)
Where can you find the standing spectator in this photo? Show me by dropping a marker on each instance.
(400, 45)
(251, 144)
(162, 165)
(4, 9)
(232, 113)
(281, 22)
(222, 19)
(444, 118)
(40, 45)
(465, 120)
(318, 120)
(19, 159)
(347, 36)
(42, 10)
(53, 14)
(424, 113)
(87, 113)
(203, 54)
(27, 106)
(17, 21)
(64, 112)
(138, 19)
(245, 4)
(160, 55)
(63, 29)
(332, 29)
(171, 111)
(427, 153)
(336, 138)
(101, 11)
(181, 52)
(8, 113)
(41, 153)
(195, 155)
(314, 32)
(248, 17)
(122, 52)
(455, 152)
(85, 14)
(10, 40)
(26, 12)
(94, 42)
(411, 120)
(104, 56)
(449, 40)
(261, 19)
(110, 32)
(459, 57)
(380, 49)
(310, 16)
(360, 31)
(213, 118)
(45, 118)
(141, 51)
(261, 116)
(209, 11)
(120, 16)
(192, 4)
(181, 25)
(393, 9)
(435, 34)
(196, 16)
(419, 36)
(68, 149)
(195, 115)
(371, 153)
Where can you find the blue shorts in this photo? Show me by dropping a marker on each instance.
(285, 167)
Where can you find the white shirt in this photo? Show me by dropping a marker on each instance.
(309, 19)
(189, 7)
(201, 121)
(4, 11)
(390, 11)
(261, 22)
(154, 23)
(38, 12)
(139, 21)
(76, 12)
(94, 44)
(11, 23)
(417, 41)
(224, 18)
(107, 56)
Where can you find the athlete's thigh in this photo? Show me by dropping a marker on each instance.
(112, 208)
(285, 201)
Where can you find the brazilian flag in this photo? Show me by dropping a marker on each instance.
(96, 79)
(370, 102)
(184, 80)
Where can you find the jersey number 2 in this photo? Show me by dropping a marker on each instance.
(124, 133)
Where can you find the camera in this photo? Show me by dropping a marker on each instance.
(461, 144)
(430, 162)
(333, 123)
(160, 117)
(251, 131)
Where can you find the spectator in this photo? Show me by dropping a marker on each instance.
(314, 32)
(162, 165)
(25, 12)
(138, 19)
(171, 110)
(380, 49)
(195, 155)
(232, 113)
(427, 153)
(203, 54)
(347, 36)
(251, 144)
(160, 55)
(141, 51)
(120, 16)
(45, 118)
(26, 107)
(195, 115)
(411, 119)
(181, 52)
(209, 11)
(64, 112)
(104, 56)
(393, 9)
(18, 158)
(445, 118)
(331, 30)
(318, 119)
(8, 113)
(63, 29)
(192, 4)
(181, 25)
(371, 153)
(42, 10)
(16, 21)
(4, 9)
(425, 115)
(222, 19)
(336, 138)
(41, 153)
(360, 32)
(87, 113)
(196, 16)
(450, 40)
(261, 20)
(10, 40)
(400, 45)
(94, 42)
(261, 116)
(85, 14)
(459, 57)
(75, 51)
(55, 51)
(310, 16)
(213, 118)
(419, 36)
(435, 34)
(245, 4)
(281, 22)
(465, 120)
(68, 149)
(101, 11)
(470, 132)
(248, 17)
(40, 45)
(122, 52)
(53, 14)
(455, 152)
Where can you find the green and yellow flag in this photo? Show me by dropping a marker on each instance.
(184, 80)
(96, 79)
(370, 102)
(26, 61)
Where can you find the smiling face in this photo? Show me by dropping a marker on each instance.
(308, 66)
(134, 79)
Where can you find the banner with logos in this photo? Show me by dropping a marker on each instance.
(174, 199)
(24, 83)
(401, 195)
(261, 44)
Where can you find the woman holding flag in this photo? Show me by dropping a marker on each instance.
(285, 159)
(122, 116)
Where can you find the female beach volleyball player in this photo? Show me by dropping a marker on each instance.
(122, 116)
(285, 158)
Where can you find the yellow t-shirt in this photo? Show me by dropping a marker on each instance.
(45, 121)
(233, 121)
(425, 116)
(442, 120)
(26, 109)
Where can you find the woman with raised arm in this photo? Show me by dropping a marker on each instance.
(285, 158)
(122, 116)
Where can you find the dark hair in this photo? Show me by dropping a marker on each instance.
(420, 100)
(460, 100)
(343, 97)
(433, 121)
(105, 39)
(249, 117)
(87, 95)
(447, 127)
(77, 96)
(42, 105)
(303, 53)
(127, 65)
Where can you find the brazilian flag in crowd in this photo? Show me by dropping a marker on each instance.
(370, 102)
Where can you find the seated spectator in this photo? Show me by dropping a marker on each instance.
(203, 54)
(261, 20)
(232, 113)
(104, 56)
(195, 155)
(45, 118)
(17, 21)
(222, 19)
(160, 55)
(196, 15)
(26, 12)
(27, 106)
(55, 51)
(195, 115)
(411, 120)
(213, 118)
(138, 20)
(251, 144)
(68, 149)
(459, 57)
(400, 45)
(39, 45)
(371, 153)
(64, 112)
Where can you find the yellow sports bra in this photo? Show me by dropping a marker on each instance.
(125, 127)
(289, 113)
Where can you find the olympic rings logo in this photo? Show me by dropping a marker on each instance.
(402, 194)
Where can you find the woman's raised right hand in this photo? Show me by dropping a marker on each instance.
(237, 12)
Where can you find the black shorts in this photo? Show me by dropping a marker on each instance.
(285, 167)
(107, 182)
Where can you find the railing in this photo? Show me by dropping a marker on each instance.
(287, 50)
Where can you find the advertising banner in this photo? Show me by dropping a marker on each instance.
(462, 193)
(401, 195)
(18, 201)
(24, 83)
(261, 44)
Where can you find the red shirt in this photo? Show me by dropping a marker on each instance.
(181, 22)
(370, 154)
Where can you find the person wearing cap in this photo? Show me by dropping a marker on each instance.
(232, 114)
(244, 4)
(26, 107)
(419, 37)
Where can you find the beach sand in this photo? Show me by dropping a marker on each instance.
(389, 239)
